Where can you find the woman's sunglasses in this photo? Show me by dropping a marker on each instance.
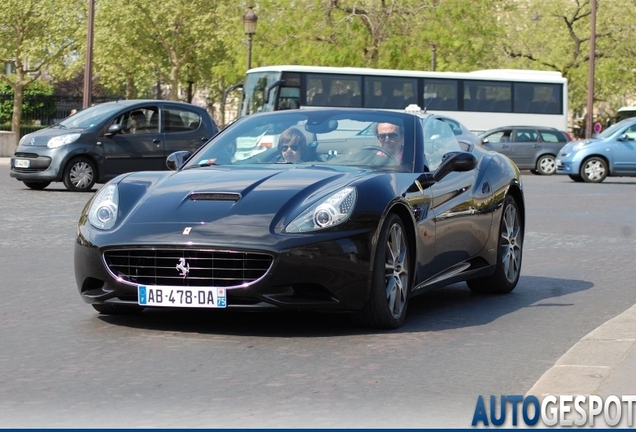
(391, 135)
(284, 148)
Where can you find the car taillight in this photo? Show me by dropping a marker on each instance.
(567, 134)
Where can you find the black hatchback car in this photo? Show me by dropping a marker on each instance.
(533, 148)
(108, 139)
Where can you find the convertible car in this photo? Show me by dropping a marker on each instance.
(360, 223)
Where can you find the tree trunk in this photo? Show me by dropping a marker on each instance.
(131, 90)
(174, 83)
(18, 98)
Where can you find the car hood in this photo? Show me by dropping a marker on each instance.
(41, 137)
(581, 144)
(246, 197)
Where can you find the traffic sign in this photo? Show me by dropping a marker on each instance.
(598, 127)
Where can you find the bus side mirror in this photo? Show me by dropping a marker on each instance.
(270, 88)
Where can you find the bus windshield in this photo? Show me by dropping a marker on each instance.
(482, 100)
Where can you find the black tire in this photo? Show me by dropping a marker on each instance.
(80, 174)
(509, 254)
(36, 185)
(391, 278)
(576, 178)
(546, 165)
(116, 309)
(594, 170)
(534, 171)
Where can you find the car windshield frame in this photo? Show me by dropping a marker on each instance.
(610, 131)
(332, 134)
(91, 116)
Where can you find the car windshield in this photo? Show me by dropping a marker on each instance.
(370, 139)
(90, 116)
(614, 128)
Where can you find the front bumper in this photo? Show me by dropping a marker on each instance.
(44, 164)
(567, 166)
(331, 274)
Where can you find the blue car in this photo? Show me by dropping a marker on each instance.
(611, 153)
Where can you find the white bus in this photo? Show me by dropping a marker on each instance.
(482, 100)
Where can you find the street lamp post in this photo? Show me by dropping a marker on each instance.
(88, 68)
(249, 21)
(590, 81)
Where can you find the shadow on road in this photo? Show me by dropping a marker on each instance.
(454, 306)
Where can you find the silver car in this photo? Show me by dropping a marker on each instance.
(533, 148)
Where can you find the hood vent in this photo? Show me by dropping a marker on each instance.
(214, 196)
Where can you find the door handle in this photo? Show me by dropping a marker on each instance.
(156, 141)
(505, 146)
(204, 139)
(536, 146)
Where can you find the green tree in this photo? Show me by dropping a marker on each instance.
(36, 35)
(555, 35)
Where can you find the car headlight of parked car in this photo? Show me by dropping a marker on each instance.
(61, 140)
(102, 213)
(331, 211)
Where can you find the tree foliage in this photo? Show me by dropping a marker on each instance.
(200, 45)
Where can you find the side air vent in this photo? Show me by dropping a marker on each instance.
(214, 196)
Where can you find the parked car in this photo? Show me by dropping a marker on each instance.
(108, 139)
(610, 153)
(358, 230)
(533, 148)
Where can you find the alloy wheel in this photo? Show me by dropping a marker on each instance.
(396, 270)
(511, 244)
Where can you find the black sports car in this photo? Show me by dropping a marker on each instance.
(349, 222)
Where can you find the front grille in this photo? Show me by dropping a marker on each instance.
(26, 155)
(206, 268)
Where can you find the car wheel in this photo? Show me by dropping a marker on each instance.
(80, 174)
(546, 165)
(36, 185)
(594, 170)
(391, 278)
(509, 253)
(116, 309)
(576, 178)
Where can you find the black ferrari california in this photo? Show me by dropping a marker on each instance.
(306, 210)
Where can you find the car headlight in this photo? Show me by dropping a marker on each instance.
(102, 213)
(333, 210)
(61, 140)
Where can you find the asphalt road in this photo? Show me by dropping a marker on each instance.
(63, 365)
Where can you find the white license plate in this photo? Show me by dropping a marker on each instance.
(168, 296)
(22, 163)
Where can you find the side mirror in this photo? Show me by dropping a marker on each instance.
(455, 162)
(177, 159)
(623, 137)
(114, 129)
(485, 140)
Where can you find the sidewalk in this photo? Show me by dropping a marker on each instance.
(602, 363)
(5, 161)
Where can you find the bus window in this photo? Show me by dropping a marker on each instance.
(389, 92)
(334, 90)
(440, 94)
(487, 96)
(537, 98)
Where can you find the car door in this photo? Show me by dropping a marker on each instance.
(183, 129)
(498, 141)
(136, 147)
(624, 152)
(525, 147)
(461, 229)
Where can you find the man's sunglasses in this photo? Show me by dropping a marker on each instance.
(284, 148)
(391, 135)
